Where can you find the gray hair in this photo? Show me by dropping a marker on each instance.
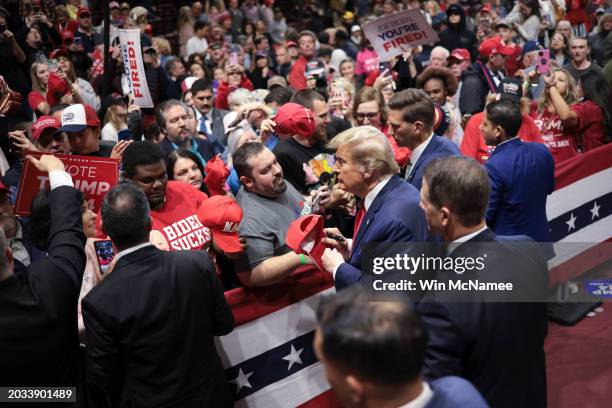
(240, 96)
(369, 148)
(441, 49)
(160, 112)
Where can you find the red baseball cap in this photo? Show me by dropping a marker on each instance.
(486, 8)
(83, 10)
(216, 175)
(77, 117)
(43, 123)
(222, 215)
(293, 119)
(460, 54)
(60, 52)
(56, 88)
(304, 237)
(494, 45)
(291, 44)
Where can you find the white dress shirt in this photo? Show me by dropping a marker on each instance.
(422, 400)
(130, 250)
(457, 242)
(367, 202)
(417, 152)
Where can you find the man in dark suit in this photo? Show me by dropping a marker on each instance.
(411, 116)
(150, 323)
(176, 121)
(385, 372)
(38, 324)
(365, 166)
(498, 346)
(522, 175)
(209, 118)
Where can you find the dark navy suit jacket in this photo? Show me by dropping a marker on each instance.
(454, 392)
(497, 346)
(522, 176)
(393, 216)
(438, 147)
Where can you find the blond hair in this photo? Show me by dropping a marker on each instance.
(369, 148)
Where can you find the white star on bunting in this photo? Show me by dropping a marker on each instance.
(293, 357)
(242, 380)
(571, 223)
(595, 210)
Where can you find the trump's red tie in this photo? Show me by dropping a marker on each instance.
(359, 217)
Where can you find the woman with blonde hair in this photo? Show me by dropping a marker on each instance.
(184, 28)
(39, 75)
(560, 141)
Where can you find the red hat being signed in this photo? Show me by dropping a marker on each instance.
(56, 88)
(216, 175)
(222, 215)
(304, 237)
(293, 119)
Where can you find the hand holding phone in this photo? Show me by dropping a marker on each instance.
(105, 253)
(543, 62)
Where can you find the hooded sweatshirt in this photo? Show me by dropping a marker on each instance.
(458, 35)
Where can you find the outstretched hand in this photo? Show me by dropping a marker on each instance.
(47, 163)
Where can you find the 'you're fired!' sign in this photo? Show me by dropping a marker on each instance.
(391, 35)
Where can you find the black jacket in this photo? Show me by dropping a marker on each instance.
(458, 36)
(38, 324)
(497, 346)
(474, 89)
(150, 327)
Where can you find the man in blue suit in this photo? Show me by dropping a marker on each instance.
(373, 352)
(411, 117)
(497, 346)
(522, 175)
(389, 208)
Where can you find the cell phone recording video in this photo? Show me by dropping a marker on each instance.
(543, 62)
(105, 253)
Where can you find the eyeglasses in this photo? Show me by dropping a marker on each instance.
(369, 115)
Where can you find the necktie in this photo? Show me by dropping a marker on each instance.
(408, 168)
(203, 129)
(359, 217)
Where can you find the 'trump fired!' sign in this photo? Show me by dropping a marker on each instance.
(134, 67)
(406, 29)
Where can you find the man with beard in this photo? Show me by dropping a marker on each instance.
(300, 156)
(269, 206)
(174, 204)
(174, 120)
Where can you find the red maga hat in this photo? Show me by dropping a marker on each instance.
(293, 119)
(492, 46)
(305, 235)
(43, 123)
(216, 175)
(222, 215)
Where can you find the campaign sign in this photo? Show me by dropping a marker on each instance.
(601, 288)
(134, 67)
(390, 34)
(94, 176)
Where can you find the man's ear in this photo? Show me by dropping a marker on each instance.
(247, 182)
(446, 216)
(357, 389)
(500, 133)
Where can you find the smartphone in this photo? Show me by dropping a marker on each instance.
(384, 65)
(77, 41)
(233, 58)
(53, 65)
(543, 62)
(105, 254)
